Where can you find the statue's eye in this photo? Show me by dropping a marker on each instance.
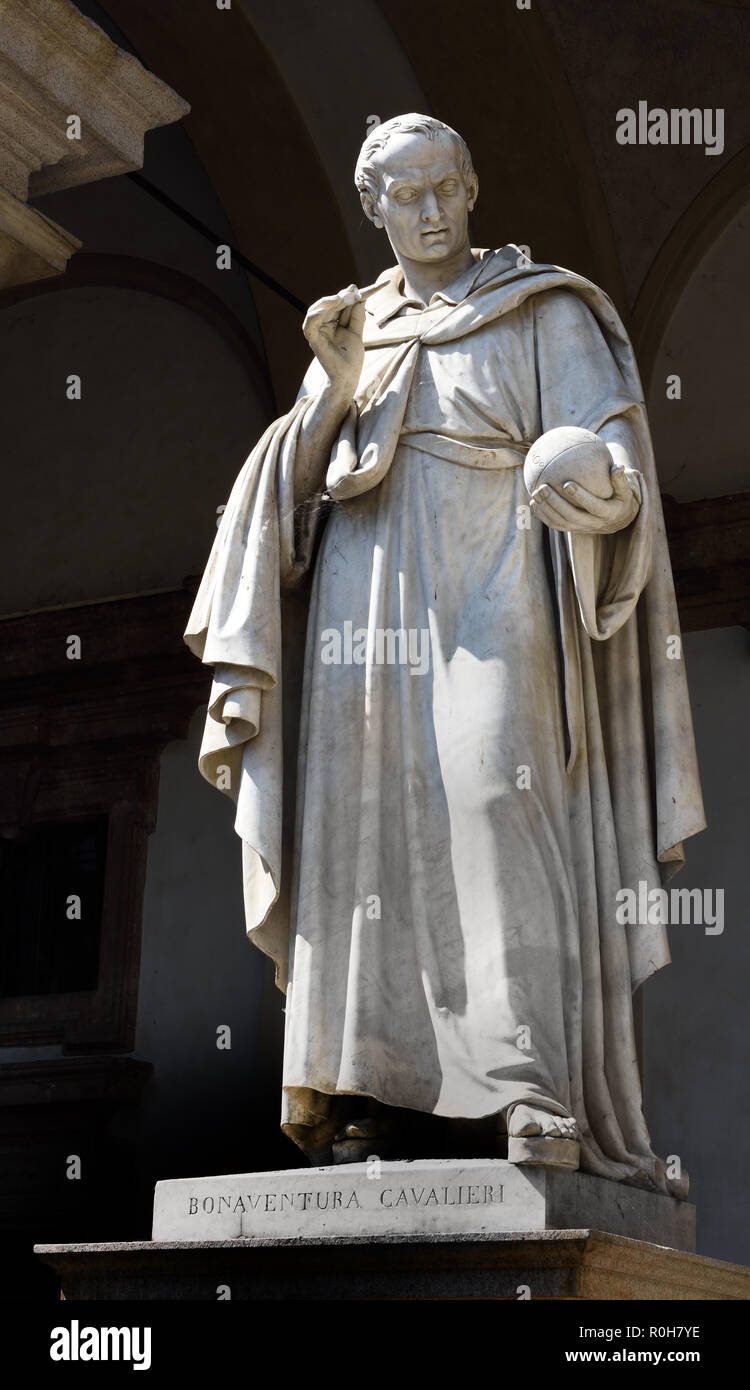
(449, 186)
(405, 195)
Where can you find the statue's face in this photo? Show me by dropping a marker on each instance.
(423, 202)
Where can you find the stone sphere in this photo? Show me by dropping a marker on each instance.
(569, 455)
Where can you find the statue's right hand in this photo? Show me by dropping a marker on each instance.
(333, 327)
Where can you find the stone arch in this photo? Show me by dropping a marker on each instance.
(506, 89)
(261, 158)
(680, 255)
(121, 486)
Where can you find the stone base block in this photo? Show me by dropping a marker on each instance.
(565, 1265)
(407, 1200)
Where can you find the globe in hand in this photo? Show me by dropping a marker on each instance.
(569, 455)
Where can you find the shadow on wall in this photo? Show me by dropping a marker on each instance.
(696, 1009)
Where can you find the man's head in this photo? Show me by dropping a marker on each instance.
(415, 178)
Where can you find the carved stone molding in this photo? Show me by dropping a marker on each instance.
(32, 246)
(70, 1081)
(55, 63)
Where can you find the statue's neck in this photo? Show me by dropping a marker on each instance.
(422, 279)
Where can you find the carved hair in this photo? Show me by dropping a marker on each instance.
(366, 175)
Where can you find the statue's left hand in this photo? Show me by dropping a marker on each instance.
(575, 509)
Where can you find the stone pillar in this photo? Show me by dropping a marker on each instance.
(73, 108)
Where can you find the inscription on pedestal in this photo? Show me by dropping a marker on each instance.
(424, 1198)
(470, 1194)
(375, 1198)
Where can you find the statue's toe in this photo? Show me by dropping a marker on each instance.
(366, 1128)
(528, 1120)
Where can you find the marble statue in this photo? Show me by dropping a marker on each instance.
(494, 733)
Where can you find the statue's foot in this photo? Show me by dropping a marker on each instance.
(362, 1137)
(535, 1136)
(366, 1128)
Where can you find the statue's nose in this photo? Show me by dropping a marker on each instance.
(430, 209)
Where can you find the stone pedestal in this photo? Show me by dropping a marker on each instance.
(482, 1228)
(504, 1266)
(440, 1198)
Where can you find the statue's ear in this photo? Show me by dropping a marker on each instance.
(369, 209)
(473, 192)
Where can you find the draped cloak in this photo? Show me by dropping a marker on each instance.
(450, 942)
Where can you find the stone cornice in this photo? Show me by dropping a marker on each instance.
(31, 245)
(56, 63)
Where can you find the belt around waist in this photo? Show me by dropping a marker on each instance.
(467, 455)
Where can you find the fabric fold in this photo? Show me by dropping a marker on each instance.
(235, 626)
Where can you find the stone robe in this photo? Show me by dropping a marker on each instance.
(493, 739)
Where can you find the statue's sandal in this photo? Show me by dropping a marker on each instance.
(547, 1149)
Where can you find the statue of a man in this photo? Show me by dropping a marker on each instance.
(495, 735)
